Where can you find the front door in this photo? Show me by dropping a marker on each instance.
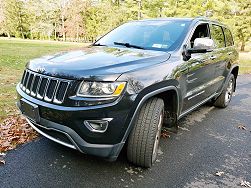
(200, 79)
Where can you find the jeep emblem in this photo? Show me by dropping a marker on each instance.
(40, 69)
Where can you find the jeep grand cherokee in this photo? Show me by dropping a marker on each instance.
(123, 88)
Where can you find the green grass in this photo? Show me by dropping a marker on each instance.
(14, 54)
(245, 62)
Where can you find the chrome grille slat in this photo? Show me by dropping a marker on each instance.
(34, 85)
(25, 79)
(43, 87)
(38, 86)
(28, 85)
(55, 92)
(51, 91)
(57, 97)
(46, 87)
(22, 81)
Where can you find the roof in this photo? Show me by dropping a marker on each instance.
(200, 18)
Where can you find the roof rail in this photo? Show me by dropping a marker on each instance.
(202, 17)
(206, 18)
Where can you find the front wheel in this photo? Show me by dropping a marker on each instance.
(144, 139)
(225, 97)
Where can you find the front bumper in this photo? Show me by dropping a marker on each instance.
(65, 126)
(74, 141)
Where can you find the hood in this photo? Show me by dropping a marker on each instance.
(100, 63)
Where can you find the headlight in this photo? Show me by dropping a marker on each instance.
(100, 89)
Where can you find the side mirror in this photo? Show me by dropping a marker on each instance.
(203, 43)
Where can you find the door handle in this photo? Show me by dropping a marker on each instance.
(213, 57)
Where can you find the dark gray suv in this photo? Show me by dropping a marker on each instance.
(123, 88)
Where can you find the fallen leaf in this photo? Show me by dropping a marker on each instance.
(245, 183)
(160, 152)
(130, 171)
(219, 173)
(14, 130)
(242, 127)
(184, 128)
(165, 134)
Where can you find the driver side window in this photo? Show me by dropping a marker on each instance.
(201, 31)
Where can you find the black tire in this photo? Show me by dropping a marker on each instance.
(225, 97)
(142, 149)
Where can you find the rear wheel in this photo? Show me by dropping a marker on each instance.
(225, 97)
(144, 139)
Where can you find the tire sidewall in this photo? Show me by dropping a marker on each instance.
(231, 77)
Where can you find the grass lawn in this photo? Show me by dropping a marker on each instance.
(14, 54)
(245, 62)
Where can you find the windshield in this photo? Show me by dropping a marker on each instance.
(155, 35)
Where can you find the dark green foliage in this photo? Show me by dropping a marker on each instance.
(85, 20)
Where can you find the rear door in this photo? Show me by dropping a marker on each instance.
(230, 52)
(220, 55)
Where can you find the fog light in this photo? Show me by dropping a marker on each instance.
(99, 126)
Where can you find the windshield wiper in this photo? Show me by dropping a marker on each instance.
(98, 44)
(128, 45)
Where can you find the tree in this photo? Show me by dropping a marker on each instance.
(74, 24)
(242, 24)
(41, 14)
(87, 19)
(15, 18)
(2, 18)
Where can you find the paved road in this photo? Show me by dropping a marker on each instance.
(208, 141)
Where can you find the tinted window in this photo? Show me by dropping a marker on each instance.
(156, 35)
(218, 36)
(228, 37)
(201, 31)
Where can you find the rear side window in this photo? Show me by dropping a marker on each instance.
(218, 36)
(228, 37)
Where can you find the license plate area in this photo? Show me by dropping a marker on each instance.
(30, 110)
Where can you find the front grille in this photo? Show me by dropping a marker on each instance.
(43, 87)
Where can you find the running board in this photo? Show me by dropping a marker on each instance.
(197, 105)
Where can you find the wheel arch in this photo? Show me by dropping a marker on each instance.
(164, 92)
(235, 71)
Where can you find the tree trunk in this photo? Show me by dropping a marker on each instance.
(8, 34)
(63, 29)
(139, 9)
(22, 33)
(242, 46)
(55, 32)
(78, 33)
